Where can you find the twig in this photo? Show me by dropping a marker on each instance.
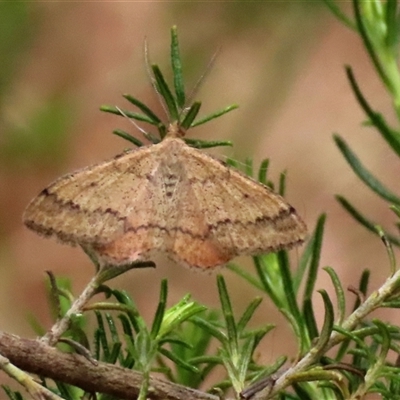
(56, 331)
(104, 273)
(37, 357)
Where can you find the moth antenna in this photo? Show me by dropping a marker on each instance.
(151, 77)
(139, 128)
(200, 81)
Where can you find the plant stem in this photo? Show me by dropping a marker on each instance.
(312, 357)
(58, 329)
(36, 390)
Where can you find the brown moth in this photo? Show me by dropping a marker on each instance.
(166, 197)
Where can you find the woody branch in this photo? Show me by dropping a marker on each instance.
(37, 357)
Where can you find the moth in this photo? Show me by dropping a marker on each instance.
(166, 197)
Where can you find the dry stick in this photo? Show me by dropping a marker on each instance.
(37, 357)
(373, 302)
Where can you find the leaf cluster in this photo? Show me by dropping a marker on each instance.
(178, 107)
(377, 23)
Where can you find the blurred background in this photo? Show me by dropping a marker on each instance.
(282, 62)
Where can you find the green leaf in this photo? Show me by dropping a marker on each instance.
(126, 325)
(267, 280)
(389, 250)
(248, 167)
(262, 172)
(369, 45)
(340, 297)
(260, 333)
(177, 69)
(206, 144)
(364, 281)
(144, 350)
(123, 297)
(179, 313)
(396, 210)
(178, 361)
(328, 322)
(309, 319)
(227, 312)
(391, 304)
(108, 272)
(315, 259)
(287, 283)
(299, 274)
(214, 115)
(392, 137)
(191, 115)
(363, 173)
(159, 316)
(128, 137)
(385, 345)
(210, 328)
(245, 275)
(129, 114)
(150, 114)
(135, 319)
(362, 287)
(174, 341)
(101, 338)
(371, 226)
(392, 27)
(301, 392)
(199, 340)
(246, 353)
(331, 4)
(166, 94)
(11, 394)
(248, 313)
(115, 353)
(282, 183)
(66, 391)
(291, 308)
(112, 327)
